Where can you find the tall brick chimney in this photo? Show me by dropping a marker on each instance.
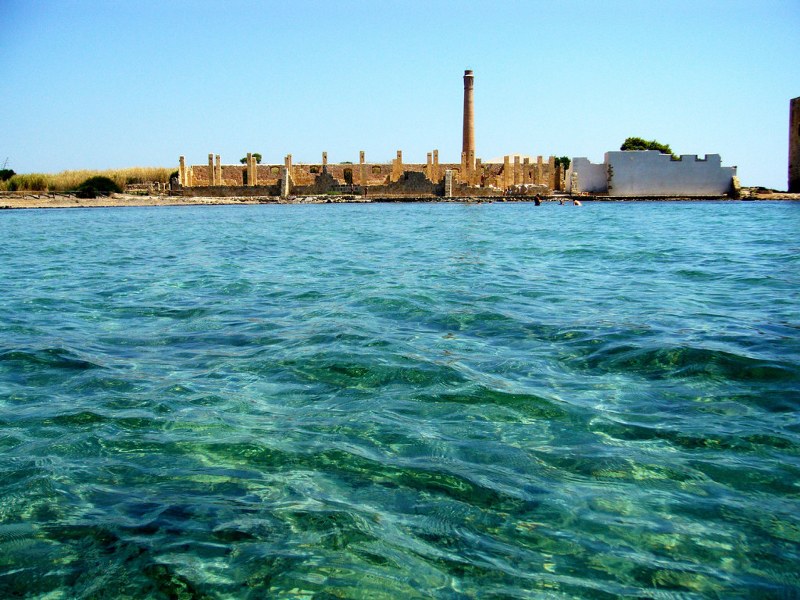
(794, 145)
(468, 145)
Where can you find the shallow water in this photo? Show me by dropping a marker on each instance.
(417, 401)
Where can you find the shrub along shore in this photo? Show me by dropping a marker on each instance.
(71, 180)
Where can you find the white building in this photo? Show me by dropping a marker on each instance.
(650, 173)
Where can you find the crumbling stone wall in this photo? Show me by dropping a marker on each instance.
(378, 178)
(518, 171)
(410, 183)
(230, 191)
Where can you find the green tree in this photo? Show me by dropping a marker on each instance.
(564, 161)
(637, 143)
(6, 174)
(256, 155)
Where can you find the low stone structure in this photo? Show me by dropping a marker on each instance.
(651, 173)
(376, 179)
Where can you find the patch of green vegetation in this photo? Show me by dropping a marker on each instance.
(637, 143)
(33, 182)
(256, 155)
(564, 161)
(98, 185)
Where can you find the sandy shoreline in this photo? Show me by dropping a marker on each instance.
(56, 200)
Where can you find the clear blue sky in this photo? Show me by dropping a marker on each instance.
(107, 84)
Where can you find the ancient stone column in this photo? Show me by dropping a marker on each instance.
(254, 168)
(508, 177)
(287, 162)
(517, 170)
(362, 168)
(448, 183)
(210, 169)
(539, 170)
(462, 174)
(324, 159)
(436, 175)
(794, 145)
(429, 166)
(526, 170)
(218, 171)
(552, 181)
(478, 173)
(286, 184)
(471, 167)
(397, 167)
(468, 141)
(249, 164)
(182, 171)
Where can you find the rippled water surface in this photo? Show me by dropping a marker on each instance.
(401, 401)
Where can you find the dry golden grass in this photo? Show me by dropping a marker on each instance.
(70, 180)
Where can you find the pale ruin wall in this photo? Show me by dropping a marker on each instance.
(650, 173)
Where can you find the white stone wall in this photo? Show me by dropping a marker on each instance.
(650, 173)
(592, 178)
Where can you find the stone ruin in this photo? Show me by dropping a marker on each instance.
(515, 176)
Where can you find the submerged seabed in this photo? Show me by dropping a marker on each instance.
(413, 401)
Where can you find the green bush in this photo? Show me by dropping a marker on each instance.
(95, 186)
(637, 143)
(6, 174)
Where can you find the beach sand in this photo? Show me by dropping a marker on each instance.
(55, 200)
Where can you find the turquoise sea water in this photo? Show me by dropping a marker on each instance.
(401, 401)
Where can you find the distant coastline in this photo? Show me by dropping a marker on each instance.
(36, 200)
(29, 200)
